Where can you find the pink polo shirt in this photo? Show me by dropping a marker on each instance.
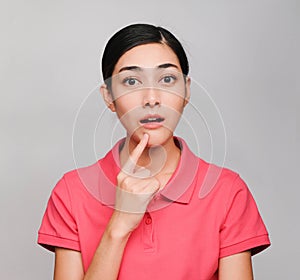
(204, 213)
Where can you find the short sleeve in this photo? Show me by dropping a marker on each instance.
(58, 227)
(243, 228)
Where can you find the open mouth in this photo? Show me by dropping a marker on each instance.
(152, 120)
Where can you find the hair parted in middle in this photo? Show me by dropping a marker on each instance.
(135, 35)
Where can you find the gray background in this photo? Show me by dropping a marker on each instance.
(245, 53)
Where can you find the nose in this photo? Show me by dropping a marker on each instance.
(151, 98)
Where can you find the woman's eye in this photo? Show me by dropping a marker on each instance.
(131, 82)
(168, 79)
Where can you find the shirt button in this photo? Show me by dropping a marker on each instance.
(148, 221)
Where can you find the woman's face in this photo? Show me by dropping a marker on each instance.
(148, 92)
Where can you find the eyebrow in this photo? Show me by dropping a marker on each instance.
(167, 65)
(137, 68)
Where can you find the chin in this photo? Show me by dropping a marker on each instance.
(159, 139)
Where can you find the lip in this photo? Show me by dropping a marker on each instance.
(152, 124)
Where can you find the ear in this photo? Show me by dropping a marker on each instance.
(187, 90)
(107, 97)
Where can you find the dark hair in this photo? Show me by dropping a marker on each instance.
(135, 35)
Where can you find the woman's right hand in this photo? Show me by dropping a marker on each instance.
(135, 190)
(134, 193)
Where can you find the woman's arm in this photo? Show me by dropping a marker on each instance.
(236, 267)
(108, 256)
(68, 265)
(105, 264)
(132, 197)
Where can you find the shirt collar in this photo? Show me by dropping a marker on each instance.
(179, 188)
(181, 185)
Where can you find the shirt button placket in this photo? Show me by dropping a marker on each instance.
(148, 220)
(148, 239)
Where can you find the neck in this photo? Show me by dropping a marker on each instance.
(158, 160)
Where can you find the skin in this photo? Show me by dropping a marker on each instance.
(142, 150)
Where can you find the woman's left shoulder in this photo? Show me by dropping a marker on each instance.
(219, 179)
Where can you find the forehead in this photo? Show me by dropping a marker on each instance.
(148, 56)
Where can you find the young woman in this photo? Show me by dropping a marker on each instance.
(137, 213)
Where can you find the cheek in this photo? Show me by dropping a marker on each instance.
(124, 105)
(127, 112)
(172, 120)
(175, 102)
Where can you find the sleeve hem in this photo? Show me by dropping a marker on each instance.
(49, 242)
(254, 244)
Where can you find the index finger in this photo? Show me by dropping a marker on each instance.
(131, 163)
